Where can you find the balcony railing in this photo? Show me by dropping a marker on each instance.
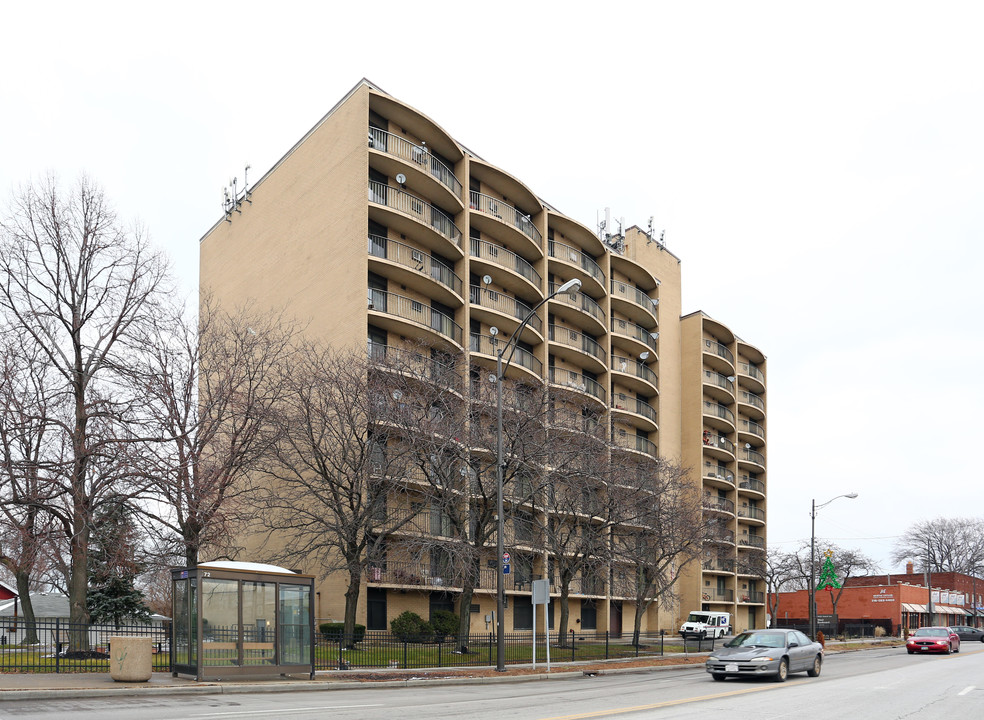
(751, 371)
(754, 541)
(715, 595)
(422, 520)
(402, 148)
(577, 257)
(416, 311)
(636, 296)
(577, 381)
(576, 339)
(636, 332)
(504, 258)
(418, 260)
(752, 456)
(753, 400)
(751, 596)
(751, 427)
(488, 345)
(718, 472)
(506, 213)
(719, 564)
(505, 304)
(640, 407)
(634, 367)
(716, 348)
(719, 441)
(409, 573)
(581, 301)
(716, 378)
(414, 363)
(421, 210)
(747, 483)
(755, 513)
(718, 503)
(715, 410)
(635, 442)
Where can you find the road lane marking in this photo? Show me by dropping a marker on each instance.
(667, 703)
(966, 690)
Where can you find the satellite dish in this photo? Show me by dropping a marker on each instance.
(401, 178)
(487, 279)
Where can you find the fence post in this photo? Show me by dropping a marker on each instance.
(405, 655)
(57, 642)
(661, 634)
(572, 646)
(340, 666)
(606, 644)
(490, 648)
(439, 644)
(637, 647)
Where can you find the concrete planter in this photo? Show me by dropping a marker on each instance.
(130, 659)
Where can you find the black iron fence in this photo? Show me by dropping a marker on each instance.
(382, 649)
(62, 647)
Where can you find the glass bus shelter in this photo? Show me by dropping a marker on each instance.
(233, 619)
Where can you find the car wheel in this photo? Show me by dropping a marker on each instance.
(911, 652)
(783, 670)
(949, 648)
(957, 650)
(718, 676)
(815, 670)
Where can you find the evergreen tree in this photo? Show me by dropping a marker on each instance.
(114, 567)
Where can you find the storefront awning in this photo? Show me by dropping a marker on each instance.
(912, 607)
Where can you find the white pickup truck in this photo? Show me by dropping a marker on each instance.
(706, 624)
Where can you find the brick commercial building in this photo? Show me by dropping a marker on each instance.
(379, 230)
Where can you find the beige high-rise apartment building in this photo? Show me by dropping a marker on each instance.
(378, 229)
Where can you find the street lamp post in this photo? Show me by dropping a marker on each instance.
(813, 539)
(500, 368)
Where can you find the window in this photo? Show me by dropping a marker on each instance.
(375, 609)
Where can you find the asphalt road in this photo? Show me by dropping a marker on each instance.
(873, 684)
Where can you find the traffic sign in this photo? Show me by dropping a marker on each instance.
(505, 558)
(505, 569)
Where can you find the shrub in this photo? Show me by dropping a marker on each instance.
(880, 631)
(445, 623)
(333, 632)
(410, 627)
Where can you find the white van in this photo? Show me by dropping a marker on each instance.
(706, 624)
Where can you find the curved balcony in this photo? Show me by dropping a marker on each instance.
(584, 304)
(391, 311)
(721, 537)
(414, 363)
(718, 356)
(751, 376)
(751, 457)
(579, 263)
(720, 387)
(521, 279)
(521, 358)
(520, 227)
(634, 303)
(573, 380)
(752, 541)
(638, 412)
(634, 338)
(751, 432)
(755, 515)
(578, 348)
(718, 447)
(495, 307)
(635, 375)
(718, 565)
(636, 443)
(416, 159)
(719, 417)
(750, 486)
(637, 274)
(754, 406)
(718, 476)
(415, 269)
(408, 214)
(718, 504)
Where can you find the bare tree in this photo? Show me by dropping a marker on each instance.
(81, 289)
(336, 468)
(944, 545)
(211, 389)
(659, 529)
(847, 561)
(781, 570)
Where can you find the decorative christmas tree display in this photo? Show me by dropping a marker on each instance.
(828, 575)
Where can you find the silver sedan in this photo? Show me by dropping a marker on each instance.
(766, 652)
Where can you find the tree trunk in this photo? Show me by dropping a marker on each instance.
(637, 623)
(565, 609)
(30, 623)
(351, 605)
(464, 616)
(77, 588)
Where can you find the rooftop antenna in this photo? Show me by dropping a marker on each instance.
(235, 196)
(247, 193)
(226, 206)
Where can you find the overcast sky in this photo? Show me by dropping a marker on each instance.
(819, 169)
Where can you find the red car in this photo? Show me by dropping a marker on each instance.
(933, 640)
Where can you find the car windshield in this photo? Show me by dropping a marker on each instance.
(759, 639)
(696, 618)
(932, 632)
